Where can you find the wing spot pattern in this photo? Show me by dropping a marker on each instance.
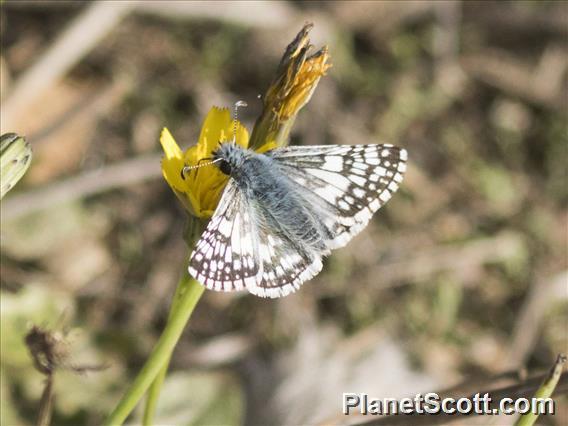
(234, 253)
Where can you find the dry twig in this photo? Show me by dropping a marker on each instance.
(88, 183)
(74, 43)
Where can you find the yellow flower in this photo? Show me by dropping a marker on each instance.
(296, 79)
(200, 189)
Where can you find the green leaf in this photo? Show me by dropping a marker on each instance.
(15, 158)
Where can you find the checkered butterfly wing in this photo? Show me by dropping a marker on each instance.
(238, 250)
(345, 184)
(224, 259)
(284, 266)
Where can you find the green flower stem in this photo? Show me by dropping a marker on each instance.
(156, 387)
(187, 295)
(153, 395)
(545, 390)
(192, 232)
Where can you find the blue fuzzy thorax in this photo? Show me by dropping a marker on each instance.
(275, 201)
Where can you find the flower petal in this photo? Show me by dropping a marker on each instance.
(172, 163)
(200, 189)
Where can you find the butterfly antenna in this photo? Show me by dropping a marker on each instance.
(187, 169)
(238, 104)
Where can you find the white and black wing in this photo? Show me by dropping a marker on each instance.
(225, 257)
(284, 267)
(348, 183)
(237, 251)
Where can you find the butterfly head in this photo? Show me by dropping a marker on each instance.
(229, 157)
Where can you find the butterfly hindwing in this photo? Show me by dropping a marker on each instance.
(284, 267)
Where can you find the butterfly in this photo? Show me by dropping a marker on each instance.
(283, 210)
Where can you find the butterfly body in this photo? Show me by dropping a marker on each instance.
(277, 203)
(284, 209)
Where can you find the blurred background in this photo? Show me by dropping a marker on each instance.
(462, 276)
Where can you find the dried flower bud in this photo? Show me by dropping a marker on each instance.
(296, 79)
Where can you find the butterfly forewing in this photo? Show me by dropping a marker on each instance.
(354, 181)
(225, 257)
